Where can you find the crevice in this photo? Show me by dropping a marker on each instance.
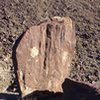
(47, 44)
(62, 38)
(23, 79)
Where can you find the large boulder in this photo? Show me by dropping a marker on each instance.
(44, 55)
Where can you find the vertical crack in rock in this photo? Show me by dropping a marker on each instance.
(47, 44)
(63, 34)
(22, 78)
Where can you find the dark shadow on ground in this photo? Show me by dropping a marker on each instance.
(71, 91)
(78, 91)
(16, 82)
(43, 95)
(4, 96)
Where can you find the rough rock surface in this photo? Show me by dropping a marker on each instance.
(44, 55)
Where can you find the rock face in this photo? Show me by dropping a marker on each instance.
(44, 55)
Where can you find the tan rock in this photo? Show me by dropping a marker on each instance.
(44, 55)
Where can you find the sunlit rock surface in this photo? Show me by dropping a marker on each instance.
(44, 55)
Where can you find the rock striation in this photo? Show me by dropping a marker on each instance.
(44, 55)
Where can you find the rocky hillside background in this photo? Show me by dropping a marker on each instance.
(16, 16)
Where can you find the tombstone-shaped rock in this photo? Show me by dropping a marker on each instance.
(44, 55)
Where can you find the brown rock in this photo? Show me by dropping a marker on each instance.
(44, 55)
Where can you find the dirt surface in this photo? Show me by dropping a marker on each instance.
(16, 16)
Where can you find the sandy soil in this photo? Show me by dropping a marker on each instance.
(16, 16)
